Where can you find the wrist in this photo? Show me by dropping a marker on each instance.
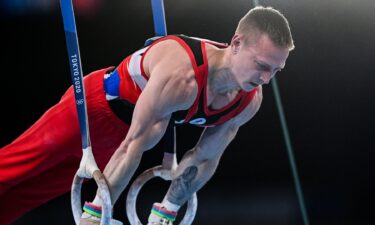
(162, 212)
(92, 209)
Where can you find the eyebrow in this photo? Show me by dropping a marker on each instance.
(267, 65)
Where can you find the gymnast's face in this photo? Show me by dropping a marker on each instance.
(255, 63)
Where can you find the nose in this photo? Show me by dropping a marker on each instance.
(265, 78)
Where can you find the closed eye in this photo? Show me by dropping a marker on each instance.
(266, 68)
(262, 66)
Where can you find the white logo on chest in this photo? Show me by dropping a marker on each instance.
(197, 121)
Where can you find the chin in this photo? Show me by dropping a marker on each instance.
(247, 88)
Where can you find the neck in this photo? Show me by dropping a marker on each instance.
(222, 82)
(220, 78)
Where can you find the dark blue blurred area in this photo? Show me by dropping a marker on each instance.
(327, 89)
(16, 7)
(35, 7)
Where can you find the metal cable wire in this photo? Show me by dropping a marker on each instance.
(288, 144)
(289, 149)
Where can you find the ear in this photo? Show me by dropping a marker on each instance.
(236, 43)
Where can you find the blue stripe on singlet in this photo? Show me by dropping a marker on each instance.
(112, 84)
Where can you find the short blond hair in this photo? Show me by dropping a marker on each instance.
(266, 20)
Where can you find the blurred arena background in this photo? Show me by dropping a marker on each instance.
(327, 89)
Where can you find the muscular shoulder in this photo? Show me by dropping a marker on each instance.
(250, 110)
(168, 63)
(170, 55)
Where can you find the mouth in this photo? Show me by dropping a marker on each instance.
(250, 86)
(254, 84)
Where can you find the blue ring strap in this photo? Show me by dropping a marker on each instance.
(112, 83)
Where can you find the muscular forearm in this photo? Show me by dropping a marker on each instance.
(191, 175)
(127, 157)
(199, 164)
(121, 168)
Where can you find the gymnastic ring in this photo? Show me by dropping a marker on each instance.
(138, 184)
(104, 194)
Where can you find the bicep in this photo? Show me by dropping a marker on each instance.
(214, 140)
(148, 123)
(162, 95)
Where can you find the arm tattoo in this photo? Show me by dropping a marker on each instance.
(181, 188)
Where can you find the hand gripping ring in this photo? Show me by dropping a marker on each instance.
(104, 193)
(157, 171)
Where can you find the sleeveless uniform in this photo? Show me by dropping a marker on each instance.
(40, 164)
(131, 76)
